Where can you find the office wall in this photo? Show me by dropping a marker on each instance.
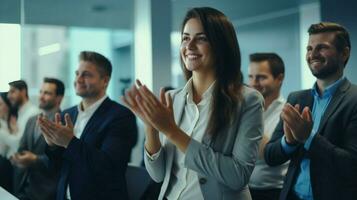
(280, 35)
(344, 12)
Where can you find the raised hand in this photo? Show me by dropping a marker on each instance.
(23, 159)
(299, 124)
(130, 101)
(158, 113)
(55, 132)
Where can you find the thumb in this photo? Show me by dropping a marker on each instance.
(169, 101)
(307, 114)
(68, 120)
(162, 96)
(58, 119)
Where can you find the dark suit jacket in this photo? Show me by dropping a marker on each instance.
(333, 151)
(95, 165)
(37, 182)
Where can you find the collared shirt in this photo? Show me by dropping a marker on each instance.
(13, 140)
(184, 184)
(263, 175)
(302, 187)
(81, 122)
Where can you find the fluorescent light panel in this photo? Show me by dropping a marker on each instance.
(49, 49)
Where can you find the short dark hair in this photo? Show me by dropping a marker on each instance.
(20, 85)
(103, 64)
(342, 38)
(276, 64)
(59, 85)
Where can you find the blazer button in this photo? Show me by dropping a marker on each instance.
(202, 181)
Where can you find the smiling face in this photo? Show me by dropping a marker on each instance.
(323, 58)
(89, 82)
(48, 98)
(262, 79)
(195, 49)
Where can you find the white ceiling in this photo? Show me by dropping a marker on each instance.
(118, 14)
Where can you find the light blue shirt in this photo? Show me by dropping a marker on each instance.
(302, 187)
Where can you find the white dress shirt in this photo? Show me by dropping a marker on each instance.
(82, 119)
(265, 176)
(184, 184)
(12, 141)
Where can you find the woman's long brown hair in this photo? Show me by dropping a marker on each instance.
(225, 49)
(12, 110)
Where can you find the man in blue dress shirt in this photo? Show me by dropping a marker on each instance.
(317, 130)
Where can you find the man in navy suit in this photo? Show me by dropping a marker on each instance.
(92, 152)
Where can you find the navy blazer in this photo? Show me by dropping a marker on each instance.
(94, 166)
(333, 151)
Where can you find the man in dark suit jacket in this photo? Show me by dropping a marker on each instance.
(33, 179)
(93, 153)
(317, 132)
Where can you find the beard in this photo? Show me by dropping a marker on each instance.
(17, 103)
(326, 71)
(329, 67)
(47, 106)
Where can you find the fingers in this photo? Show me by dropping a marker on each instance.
(143, 106)
(68, 121)
(57, 118)
(162, 96)
(289, 114)
(138, 83)
(306, 114)
(46, 133)
(126, 102)
(15, 157)
(130, 96)
(148, 96)
(46, 129)
(169, 101)
(48, 125)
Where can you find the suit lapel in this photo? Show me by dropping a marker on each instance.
(73, 113)
(307, 100)
(335, 102)
(179, 105)
(30, 139)
(96, 119)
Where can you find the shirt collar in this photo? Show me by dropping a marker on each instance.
(92, 108)
(205, 96)
(50, 114)
(24, 107)
(278, 101)
(329, 91)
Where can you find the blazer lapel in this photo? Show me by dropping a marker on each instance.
(179, 105)
(73, 114)
(307, 100)
(96, 119)
(30, 140)
(335, 102)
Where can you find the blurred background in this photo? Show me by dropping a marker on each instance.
(41, 38)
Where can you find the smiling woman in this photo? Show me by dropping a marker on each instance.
(210, 129)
